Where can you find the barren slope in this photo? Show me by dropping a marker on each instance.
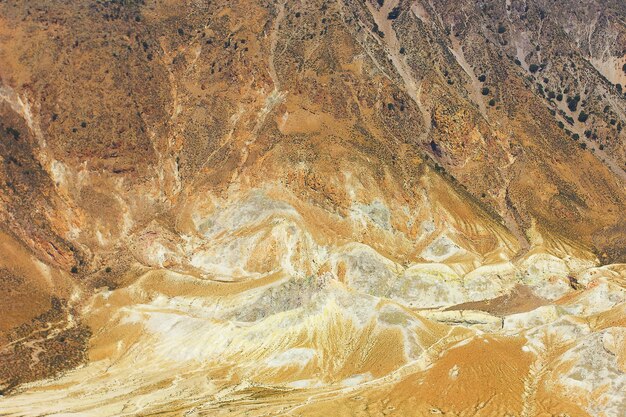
(312, 208)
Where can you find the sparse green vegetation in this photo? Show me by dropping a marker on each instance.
(13, 132)
(377, 31)
(572, 103)
(394, 13)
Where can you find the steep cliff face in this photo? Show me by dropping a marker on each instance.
(240, 206)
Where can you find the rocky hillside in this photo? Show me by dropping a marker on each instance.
(355, 207)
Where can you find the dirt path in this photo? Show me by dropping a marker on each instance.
(273, 41)
(412, 86)
(272, 100)
(474, 86)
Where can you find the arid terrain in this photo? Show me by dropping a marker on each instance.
(313, 208)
